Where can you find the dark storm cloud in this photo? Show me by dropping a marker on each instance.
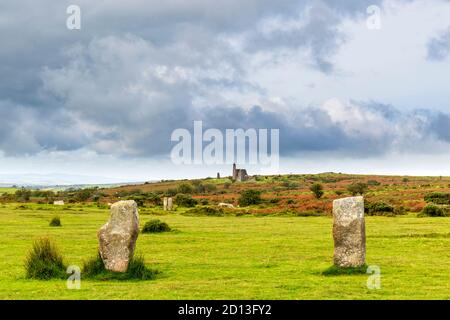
(137, 70)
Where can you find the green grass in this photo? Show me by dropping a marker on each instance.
(231, 257)
(137, 270)
(8, 190)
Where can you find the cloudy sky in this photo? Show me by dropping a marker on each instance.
(103, 101)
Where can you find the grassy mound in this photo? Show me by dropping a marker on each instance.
(44, 261)
(205, 211)
(137, 270)
(339, 271)
(155, 226)
(55, 222)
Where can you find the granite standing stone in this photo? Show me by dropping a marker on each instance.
(349, 232)
(117, 238)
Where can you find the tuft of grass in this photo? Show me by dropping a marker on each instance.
(55, 222)
(339, 271)
(137, 270)
(44, 261)
(155, 226)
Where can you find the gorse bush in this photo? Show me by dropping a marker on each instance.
(249, 197)
(358, 188)
(431, 210)
(438, 198)
(185, 188)
(44, 261)
(155, 226)
(378, 208)
(94, 268)
(55, 222)
(185, 201)
(317, 190)
(373, 183)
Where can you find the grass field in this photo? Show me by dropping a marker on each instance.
(7, 190)
(232, 257)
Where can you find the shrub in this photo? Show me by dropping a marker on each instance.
(373, 183)
(205, 211)
(400, 210)
(209, 187)
(44, 261)
(317, 190)
(185, 188)
(431, 210)
(249, 197)
(55, 222)
(290, 201)
(290, 185)
(438, 198)
(137, 270)
(378, 208)
(23, 195)
(185, 201)
(155, 226)
(171, 192)
(357, 188)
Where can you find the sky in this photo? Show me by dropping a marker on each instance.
(101, 102)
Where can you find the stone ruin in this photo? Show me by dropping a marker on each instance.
(239, 174)
(349, 232)
(117, 238)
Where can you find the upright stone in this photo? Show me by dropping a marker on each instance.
(169, 204)
(349, 232)
(117, 238)
(165, 203)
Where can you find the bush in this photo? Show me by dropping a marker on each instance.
(185, 201)
(44, 261)
(400, 210)
(378, 208)
(357, 188)
(137, 270)
(205, 211)
(249, 197)
(290, 185)
(438, 198)
(185, 188)
(317, 190)
(155, 226)
(373, 183)
(431, 210)
(55, 222)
